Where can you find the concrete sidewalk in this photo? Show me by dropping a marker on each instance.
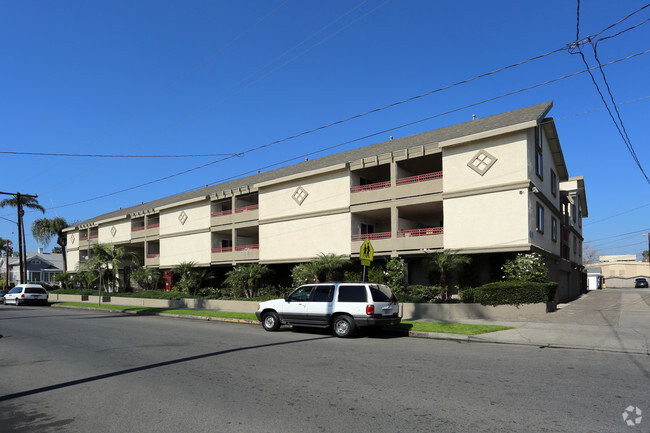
(616, 320)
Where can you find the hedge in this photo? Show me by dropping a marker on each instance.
(512, 292)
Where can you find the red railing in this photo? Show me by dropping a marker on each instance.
(137, 229)
(371, 236)
(247, 247)
(222, 213)
(419, 178)
(152, 256)
(371, 186)
(222, 250)
(83, 238)
(153, 226)
(430, 231)
(94, 236)
(247, 208)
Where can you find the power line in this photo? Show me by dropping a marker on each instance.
(619, 125)
(350, 141)
(618, 214)
(602, 108)
(81, 155)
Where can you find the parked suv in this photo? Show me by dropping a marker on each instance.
(640, 283)
(26, 294)
(342, 306)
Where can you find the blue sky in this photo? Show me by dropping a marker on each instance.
(216, 77)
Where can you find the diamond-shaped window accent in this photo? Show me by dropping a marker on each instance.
(299, 195)
(72, 239)
(113, 231)
(182, 217)
(482, 162)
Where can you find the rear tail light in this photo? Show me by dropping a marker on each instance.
(370, 309)
(22, 296)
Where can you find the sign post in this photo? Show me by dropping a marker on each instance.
(366, 254)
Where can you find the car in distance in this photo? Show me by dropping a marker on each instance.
(26, 294)
(2, 294)
(640, 283)
(343, 307)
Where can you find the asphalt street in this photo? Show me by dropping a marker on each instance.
(81, 371)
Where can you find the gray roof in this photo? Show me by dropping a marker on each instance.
(53, 259)
(485, 124)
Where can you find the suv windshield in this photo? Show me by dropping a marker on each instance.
(381, 293)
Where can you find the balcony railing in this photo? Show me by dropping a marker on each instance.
(221, 213)
(371, 236)
(222, 250)
(152, 256)
(247, 247)
(419, 178)
(137, 229)
(371, 186)
(94, 236)
(247, 208)
(83, 238)
(420, 232)
(153, 226)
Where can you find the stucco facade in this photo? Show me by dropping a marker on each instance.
(488, 187)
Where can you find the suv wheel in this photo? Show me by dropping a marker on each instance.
(343, 326)
(270, 321)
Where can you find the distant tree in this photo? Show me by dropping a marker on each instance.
(646, 255)
(444, 263)
(589, 254)
(44, 229)
(304, 273)
(56, 250)
(3, 247)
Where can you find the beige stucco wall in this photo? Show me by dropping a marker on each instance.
(185, 248)
(72, 259)
(326, 192)
(122, 232)
(495, 221)
(511, 163)
(73, 239)
(198, 218)
(303, 239)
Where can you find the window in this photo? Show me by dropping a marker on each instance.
(352, 294)
(323, 294)
(553, 183)
(540, 218)
(554, 229)
(301, 294)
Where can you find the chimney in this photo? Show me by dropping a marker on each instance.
(40, 250)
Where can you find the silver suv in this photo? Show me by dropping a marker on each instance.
(342, 306)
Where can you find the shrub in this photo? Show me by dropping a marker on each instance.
(526, 267)
(396, 274)
(418, 294)
(514, 292)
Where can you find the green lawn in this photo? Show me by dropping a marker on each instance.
(449, 328)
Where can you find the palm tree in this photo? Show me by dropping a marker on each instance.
(44, 229)
(186, 271)
(26, 202)
(328, 264)
(110, 257)
(247, 278)
(445, 262)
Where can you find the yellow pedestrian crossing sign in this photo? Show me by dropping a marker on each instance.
(366, 253)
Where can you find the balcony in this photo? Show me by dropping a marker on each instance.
(240, 214)
(240, 253)
(416, 239)
(152, 260)
(422, 184)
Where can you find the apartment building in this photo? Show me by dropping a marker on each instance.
(488, 188)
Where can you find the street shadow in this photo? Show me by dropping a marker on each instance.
(148, 367)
